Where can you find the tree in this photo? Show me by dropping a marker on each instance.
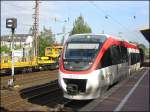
(80, 26)
(5, 49)
(46, 40)
(142, 46)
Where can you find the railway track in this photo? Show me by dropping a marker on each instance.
(50, 95)
(30, 74)
(24, 79)
(35, 92)
(41, 94)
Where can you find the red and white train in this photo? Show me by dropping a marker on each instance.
(90, 63)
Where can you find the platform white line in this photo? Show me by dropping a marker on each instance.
(119, 107)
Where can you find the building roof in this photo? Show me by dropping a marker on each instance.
(146, 33)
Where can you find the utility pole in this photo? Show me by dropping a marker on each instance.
(36, 28)
(64, 31)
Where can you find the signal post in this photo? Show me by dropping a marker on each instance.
(12, 24)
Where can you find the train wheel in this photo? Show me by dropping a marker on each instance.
(33, 69)
(23, 70)
(29, 69)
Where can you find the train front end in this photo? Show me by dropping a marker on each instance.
(78, 76)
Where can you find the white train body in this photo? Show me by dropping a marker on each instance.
(85, 76)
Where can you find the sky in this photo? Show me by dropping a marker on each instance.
(120, 17)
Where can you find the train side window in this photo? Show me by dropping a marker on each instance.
(138, 57)
(134, 58)
(116, 57)
(132, 61)
(131, 58)
(124, 54)
(106, 59)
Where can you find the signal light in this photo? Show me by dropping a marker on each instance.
(11, 23)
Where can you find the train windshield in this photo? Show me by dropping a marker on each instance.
(83, 51)
(79, 56)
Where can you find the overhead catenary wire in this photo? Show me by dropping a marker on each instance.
(115, 20)
(106, 16)
(112, 18)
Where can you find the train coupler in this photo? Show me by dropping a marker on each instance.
(72, 89)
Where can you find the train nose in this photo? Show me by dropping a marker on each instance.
(72, 89)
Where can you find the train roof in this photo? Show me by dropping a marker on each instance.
(92, 34)
(105, 35)
(88, 37)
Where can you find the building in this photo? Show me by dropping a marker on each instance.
(23, 43)
(22, 40)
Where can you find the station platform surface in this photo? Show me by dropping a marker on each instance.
(133, 95)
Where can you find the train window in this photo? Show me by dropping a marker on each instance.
(106, 59)
(131, 59)
(139, 58)
(135, 58)
(124, 54)
(116, 57)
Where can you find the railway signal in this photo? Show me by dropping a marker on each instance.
(12, 23)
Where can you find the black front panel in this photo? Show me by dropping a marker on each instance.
(80, 83)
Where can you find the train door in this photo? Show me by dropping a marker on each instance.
(129, 57)
(124, 60)
(133, 61)
(141, 57)
(116, 61)
(110, 68)
(129, 62)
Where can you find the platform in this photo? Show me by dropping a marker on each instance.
(132, 96)
(129, 95)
